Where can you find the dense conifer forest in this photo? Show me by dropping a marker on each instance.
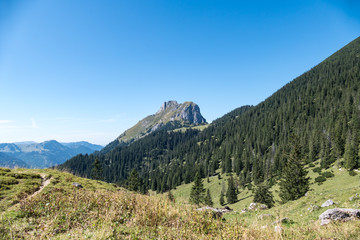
(321, 107)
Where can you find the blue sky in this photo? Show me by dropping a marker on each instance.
(88, 70)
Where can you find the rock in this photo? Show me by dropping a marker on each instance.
(252, 206)
(355, 197)
(218, 212)
(306, 194)
(339, 214)
(262, 216)
(263, 207)
(327, 203)
(244, 210)
(313, 208)
(278, 229)
(78, 185)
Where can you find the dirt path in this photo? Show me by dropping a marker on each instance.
(43, 185)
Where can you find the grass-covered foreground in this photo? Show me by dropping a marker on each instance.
(104, 211)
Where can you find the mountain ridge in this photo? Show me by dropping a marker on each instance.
(171, 115)
(44, 154)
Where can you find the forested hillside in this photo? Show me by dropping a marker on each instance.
(321, 107)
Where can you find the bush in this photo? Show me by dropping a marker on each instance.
(317, 169)
(23, 175)
(327, 174)
(311, 165)
(352, 173)
(320, 179)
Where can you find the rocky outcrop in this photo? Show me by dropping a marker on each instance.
(328, 203)
(218, 212)
(339, 214)
(171, 115)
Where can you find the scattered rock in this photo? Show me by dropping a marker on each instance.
(339, 214)
(327, 203)
(252, 206)
(306, 194)
(263, 207)
(244, 210)
(278, 229)
(355, 197)
(218, 212)
(78, 185)
(256, 206)
(313, 208)
(262, 216)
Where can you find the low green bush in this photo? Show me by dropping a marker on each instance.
(320, 179)
(327, 174)
(317, 169)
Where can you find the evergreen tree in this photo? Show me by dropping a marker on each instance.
(222, 201)
(208, 199)
(133, 183)
(294, 183)
(350, 155)
(231, 191)
(97, 172)
(197, 194)
(263, 195)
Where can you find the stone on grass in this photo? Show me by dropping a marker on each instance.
(328, 203)
(355, 197)
(339, 214)
(78, 185)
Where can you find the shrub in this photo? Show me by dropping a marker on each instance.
(317, 169)
(320, 179)
(311, 165)
(327, 174)
(352, 173)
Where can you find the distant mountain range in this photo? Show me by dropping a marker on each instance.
(42, 155)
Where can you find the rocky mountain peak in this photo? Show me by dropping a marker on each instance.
(168, 105)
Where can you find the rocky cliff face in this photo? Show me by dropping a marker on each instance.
(171, 115)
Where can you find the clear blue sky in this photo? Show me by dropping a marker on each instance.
(88, 70)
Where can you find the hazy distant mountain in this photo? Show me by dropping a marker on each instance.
(11, 162)
(171, 115)
(45, 154)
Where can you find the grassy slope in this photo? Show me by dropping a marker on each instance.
(105, 211)
(338, 188)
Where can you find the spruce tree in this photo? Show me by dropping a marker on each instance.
(133, 183)
(197, 194)
(222, 201)
(231, 191)
(208, 199)
(263, 195)
(294, 183)
(96, 171)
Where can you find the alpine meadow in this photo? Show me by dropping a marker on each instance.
(180, 120)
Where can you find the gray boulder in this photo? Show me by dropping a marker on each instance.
(355, 197)
(327, 203)
(339, 214)
(77, 185)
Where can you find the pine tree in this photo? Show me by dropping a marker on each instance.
(263, 195)
(208, 199)
(294, 183)
(197, 191)
(231, 191)
(96, 171)
(350, 155)
(222, 201)
(133, 183)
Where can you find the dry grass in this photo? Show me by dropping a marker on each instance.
(103, 211)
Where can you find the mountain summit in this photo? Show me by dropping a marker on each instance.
(171, 115)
